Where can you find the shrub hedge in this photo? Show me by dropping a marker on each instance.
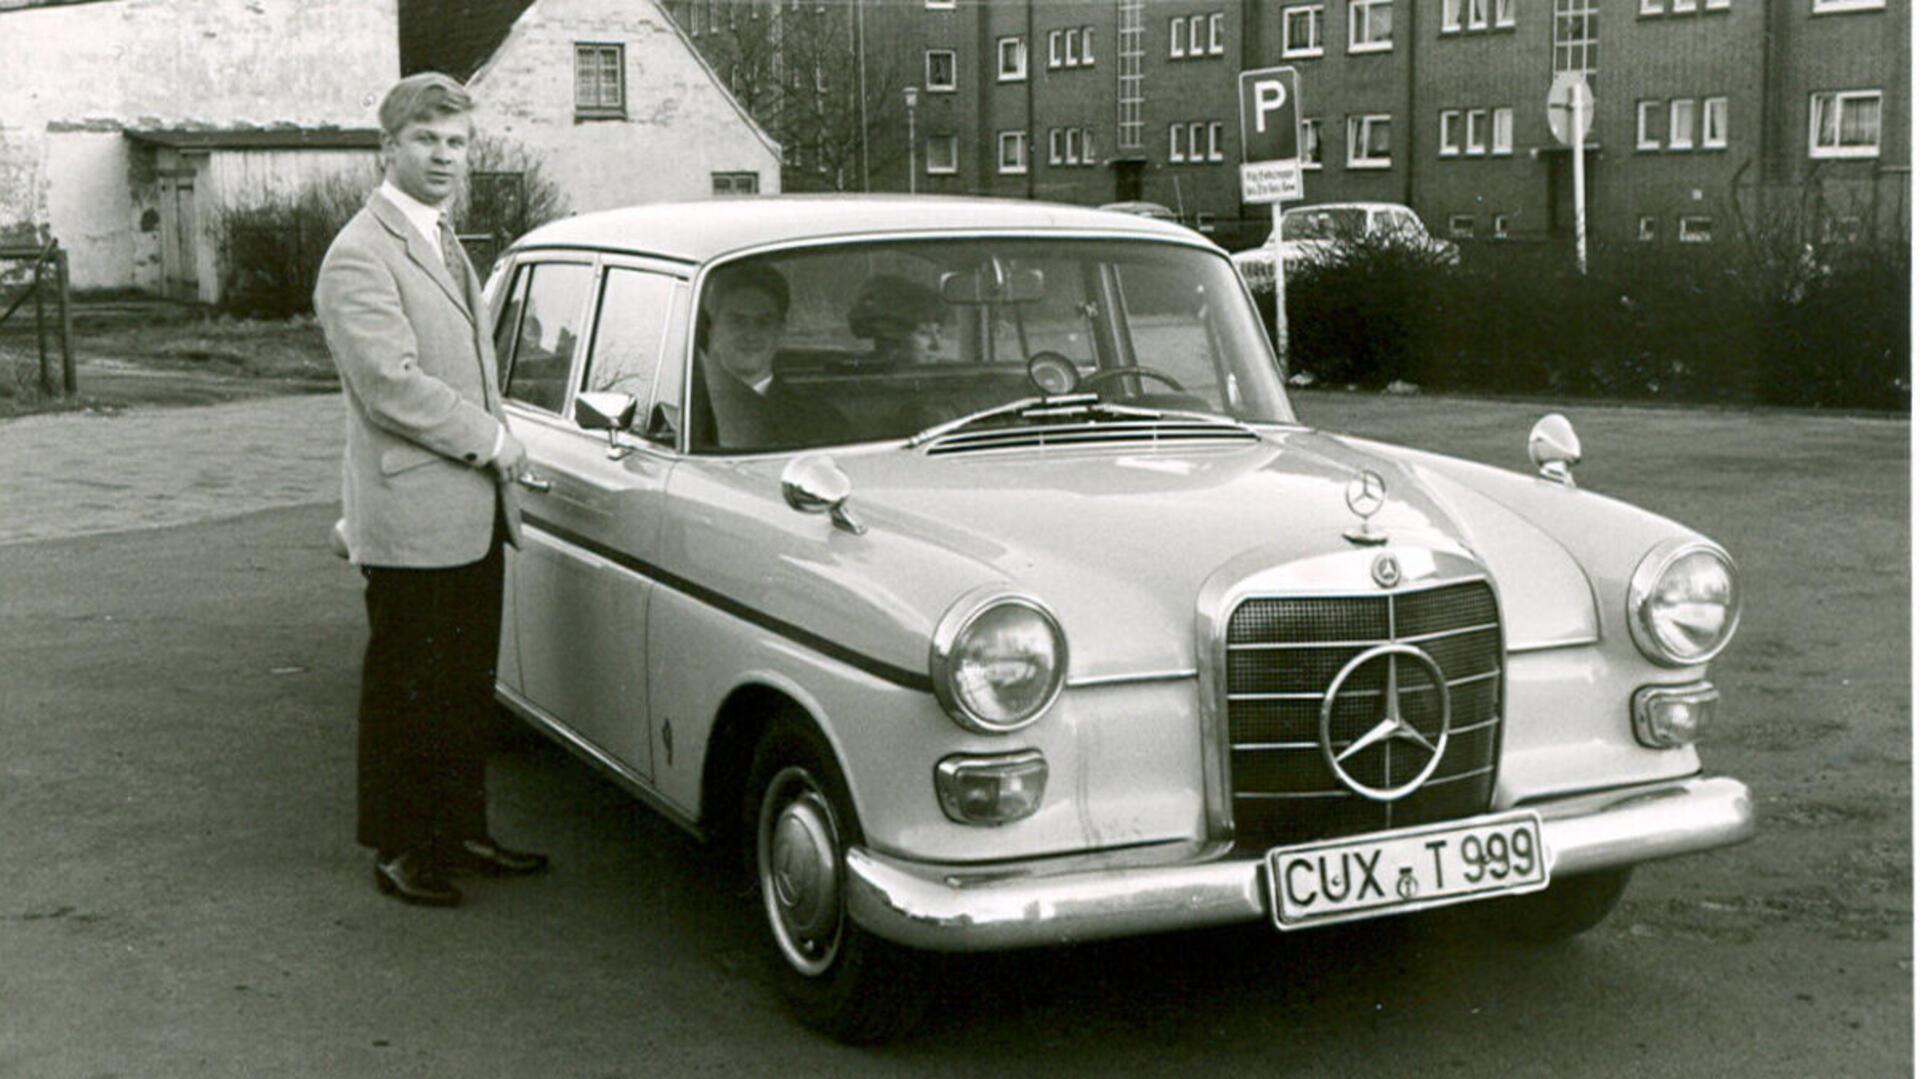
(1824, 327)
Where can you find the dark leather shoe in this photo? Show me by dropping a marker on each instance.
(487, 858)
(411, 877)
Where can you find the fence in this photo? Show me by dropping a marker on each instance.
(46, 262)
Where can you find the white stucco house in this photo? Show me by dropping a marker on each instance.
(608, 95)
(126, 124)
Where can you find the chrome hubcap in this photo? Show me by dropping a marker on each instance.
(799, 864)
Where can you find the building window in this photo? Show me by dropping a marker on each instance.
(1196, 142)
(1450, 133)
(1822, 7)
(1053, 48)
(1576, 35)
(1683, 7)
(1696, 230)
(1086, 46)
(1646, 125)
(1844, 123)
(1196, 35)
(1216, 34)
(1216, 140)
(943, 155)
(1503, 13)
(1013, 151)
(1653, 7)
(1503, 131)
(1176, 142)
(1055, 155)
(1476, 132)
(1204, 221)
(1310, 144)
(939, 5)
(1449, 16)
(1301, 29)
(1716, 5)
(1713, 123)
(1648, 229)
(941, 66)
(1476, 14)
(1369, 141)
(599, 85)
(1071, 39)
(1501, 224)
(1680, 124)
(736, 183)
(1073, 147)
(1460, 226)
(1369, 25)
(1072, 47)
(1013, 59)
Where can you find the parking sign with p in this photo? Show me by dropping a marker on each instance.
(1270, 134)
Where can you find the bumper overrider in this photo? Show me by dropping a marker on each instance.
(1190, 885)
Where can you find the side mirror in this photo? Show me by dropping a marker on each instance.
(609, 412)
(1554, 448)
(815, 484)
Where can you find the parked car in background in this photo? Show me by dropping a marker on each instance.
(1144, 209)
(1309, 232)
(1067, 627)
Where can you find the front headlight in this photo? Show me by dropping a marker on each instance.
(1684, 602)
(998, 662)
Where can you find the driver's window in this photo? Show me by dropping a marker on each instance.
(1060, 321)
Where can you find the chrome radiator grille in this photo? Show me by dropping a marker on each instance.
(1282, 656)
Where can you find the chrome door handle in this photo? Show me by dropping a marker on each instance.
(533, 483)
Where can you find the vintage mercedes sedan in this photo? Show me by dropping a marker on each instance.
(965, 562)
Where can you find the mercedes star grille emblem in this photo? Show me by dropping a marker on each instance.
(1366, 493)
(1386, 570)
(1391, 731)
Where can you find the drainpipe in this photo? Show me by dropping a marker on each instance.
(1413, 122)
(860, 39)
(1033, 166)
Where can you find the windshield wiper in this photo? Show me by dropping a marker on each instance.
(1069, 406)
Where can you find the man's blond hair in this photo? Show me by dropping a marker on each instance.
(423, 96)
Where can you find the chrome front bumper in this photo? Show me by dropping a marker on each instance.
(1190, 885)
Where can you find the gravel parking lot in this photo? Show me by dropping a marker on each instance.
(183, 897)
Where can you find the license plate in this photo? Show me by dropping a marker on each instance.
(1343, 880)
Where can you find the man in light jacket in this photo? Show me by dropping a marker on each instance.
(428, 500)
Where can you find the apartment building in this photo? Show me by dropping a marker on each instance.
(1709, 114)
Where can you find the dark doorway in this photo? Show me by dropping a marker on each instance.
(1128, 179)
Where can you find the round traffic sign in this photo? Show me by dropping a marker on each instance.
(1570, 108)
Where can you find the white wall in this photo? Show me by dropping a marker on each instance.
(76, 75)
(680, 127)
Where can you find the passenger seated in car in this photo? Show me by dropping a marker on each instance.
(905, 320)
(738, 401)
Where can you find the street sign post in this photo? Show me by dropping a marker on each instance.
(1570, 116)
(1270, 163)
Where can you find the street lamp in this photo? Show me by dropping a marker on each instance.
(913, 151)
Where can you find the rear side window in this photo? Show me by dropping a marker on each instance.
(554, 303)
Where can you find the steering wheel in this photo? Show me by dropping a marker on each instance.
(1111, 373)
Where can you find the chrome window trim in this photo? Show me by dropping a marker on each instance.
(1096, 681)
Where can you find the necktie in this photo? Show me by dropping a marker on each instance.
(455, 259)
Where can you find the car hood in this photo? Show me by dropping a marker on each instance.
(1117, 542)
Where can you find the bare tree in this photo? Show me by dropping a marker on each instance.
(507, 194)
(797, 70)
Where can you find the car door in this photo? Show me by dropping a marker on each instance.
(581, 590)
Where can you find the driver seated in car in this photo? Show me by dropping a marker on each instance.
(739, 403)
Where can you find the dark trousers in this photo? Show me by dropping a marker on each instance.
(426, 697)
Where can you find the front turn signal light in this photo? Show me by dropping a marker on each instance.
(999, 789)
(1666, 717)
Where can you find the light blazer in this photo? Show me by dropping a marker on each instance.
(416, 363)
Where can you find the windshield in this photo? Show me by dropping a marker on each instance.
(862, 342)
(1320, 224)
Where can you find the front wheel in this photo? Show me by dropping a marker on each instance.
(1567, 908)
(837, 977)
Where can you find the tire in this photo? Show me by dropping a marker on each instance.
(1568, 907)
(837, 977)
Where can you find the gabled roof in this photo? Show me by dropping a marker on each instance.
(453, 36)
